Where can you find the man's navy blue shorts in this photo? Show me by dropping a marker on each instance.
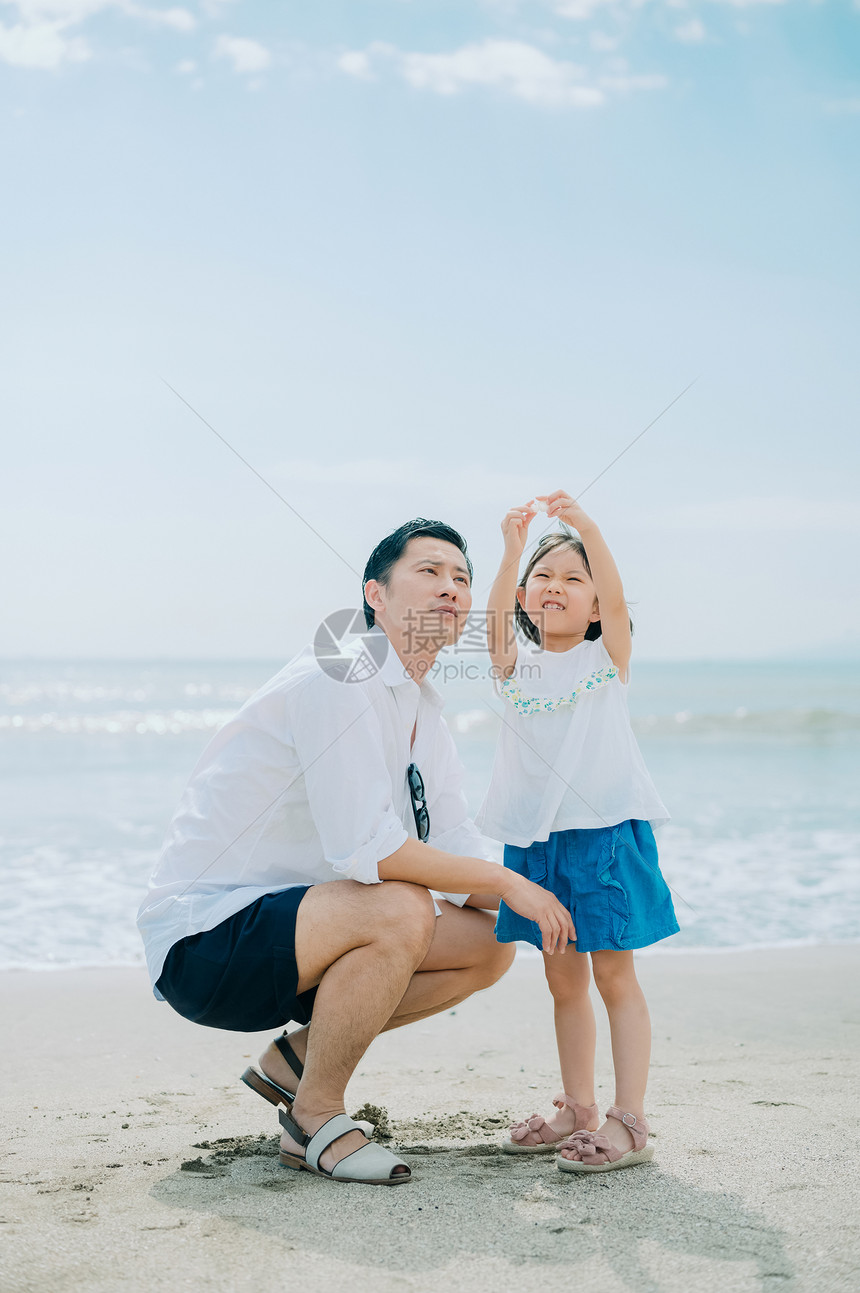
(241, 975)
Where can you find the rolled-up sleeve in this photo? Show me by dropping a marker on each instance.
(339, 744)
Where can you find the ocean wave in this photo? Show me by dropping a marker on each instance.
(123, 722)
(67, 694)
(778, 723)
(787, 724)
(798, 725)
(70, 903)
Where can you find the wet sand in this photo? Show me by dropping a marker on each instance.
(134, 1158)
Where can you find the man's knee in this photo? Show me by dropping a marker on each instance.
(404, 912)
(494, 959)
(498, 961)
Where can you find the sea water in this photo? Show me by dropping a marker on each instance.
(757, 763)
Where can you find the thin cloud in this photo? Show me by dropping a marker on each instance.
(626, 84)
(181, 20)
(691, 33)
(39, 39)
(246, 55)
(63, 12)
(356, 63)
(40, 45)
(42, 38)
(67, 13)
(579, 10)
(603, 43)
(575, 10)
(510, 67)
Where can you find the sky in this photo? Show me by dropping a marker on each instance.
(417, 257)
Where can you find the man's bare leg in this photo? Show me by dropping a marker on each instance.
(462, 958)
(359, 945)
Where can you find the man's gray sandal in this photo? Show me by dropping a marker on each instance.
(270, 1090)
(369, 1165)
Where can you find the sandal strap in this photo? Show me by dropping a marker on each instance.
(289, 1054)
(329, 1132)
(316, 1144)
(582, 1112)
(290, 1125)
(637, 1127)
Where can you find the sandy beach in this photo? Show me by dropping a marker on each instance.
(133, 1157)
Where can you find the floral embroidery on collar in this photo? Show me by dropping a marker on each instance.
(543, 704)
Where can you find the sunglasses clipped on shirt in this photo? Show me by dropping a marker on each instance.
(419, 801)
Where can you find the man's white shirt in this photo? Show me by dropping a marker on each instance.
(306, 785)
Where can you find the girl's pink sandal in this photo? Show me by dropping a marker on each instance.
(535, 1136)
(598, 1154)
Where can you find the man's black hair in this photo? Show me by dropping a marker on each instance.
(391, 549)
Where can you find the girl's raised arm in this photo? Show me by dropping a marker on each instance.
(614, 615)
(501, 643)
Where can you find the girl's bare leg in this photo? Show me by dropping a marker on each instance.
(568, 978)
(630, 1030)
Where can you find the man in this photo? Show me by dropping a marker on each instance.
(308, 784)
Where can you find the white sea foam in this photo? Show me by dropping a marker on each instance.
(76, 905)
(120, 722)
(791, 725)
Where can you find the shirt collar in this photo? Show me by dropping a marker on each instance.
(393, 673)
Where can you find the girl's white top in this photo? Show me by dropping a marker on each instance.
(567, 758)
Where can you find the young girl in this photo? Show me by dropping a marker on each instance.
(572, 800)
